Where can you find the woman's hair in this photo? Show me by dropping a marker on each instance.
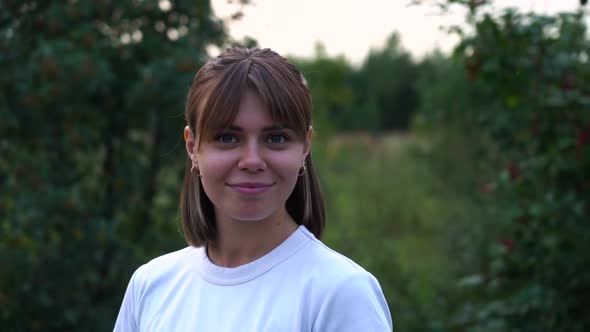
(213, 102)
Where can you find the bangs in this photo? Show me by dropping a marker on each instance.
(286, 97)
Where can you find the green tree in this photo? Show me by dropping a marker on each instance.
(380, 95)
(330, 82)
(91, 104)
(387, 78)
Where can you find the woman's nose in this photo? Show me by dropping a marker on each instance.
(251, 159)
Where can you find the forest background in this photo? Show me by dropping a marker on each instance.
(458, 180)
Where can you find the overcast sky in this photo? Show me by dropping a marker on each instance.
(352, 27)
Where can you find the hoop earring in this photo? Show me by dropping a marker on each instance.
(193, 167)
(303, 169)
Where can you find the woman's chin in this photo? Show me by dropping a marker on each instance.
(252, 213)
(248, 218)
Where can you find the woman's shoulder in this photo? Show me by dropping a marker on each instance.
(351, 296)
(168, 265)
(328, 262)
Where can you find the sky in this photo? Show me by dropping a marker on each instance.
(352, 27)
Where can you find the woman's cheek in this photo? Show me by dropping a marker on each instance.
(214, 162)
(289, 165)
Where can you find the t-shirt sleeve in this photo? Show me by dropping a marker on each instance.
(355, 304)
(126, 320)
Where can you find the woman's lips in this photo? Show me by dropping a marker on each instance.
(250, 188)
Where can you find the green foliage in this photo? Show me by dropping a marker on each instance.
(91, 97)
(387, 79)
(333, 97)
(526, 90)
(380, 95)
(384, 213)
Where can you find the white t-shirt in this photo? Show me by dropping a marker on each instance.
(302, 285)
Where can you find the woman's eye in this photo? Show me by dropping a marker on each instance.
(277, 139)
(226, 139)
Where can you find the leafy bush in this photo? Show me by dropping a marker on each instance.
(529, 95)
(91, 100)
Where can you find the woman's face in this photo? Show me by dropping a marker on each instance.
(249, 170)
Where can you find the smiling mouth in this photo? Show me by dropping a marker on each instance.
(251, 188)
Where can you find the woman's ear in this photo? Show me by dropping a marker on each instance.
(189, 142)
(308, 137)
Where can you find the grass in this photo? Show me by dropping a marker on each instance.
(385, 212)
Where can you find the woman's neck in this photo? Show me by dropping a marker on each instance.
(241, 242)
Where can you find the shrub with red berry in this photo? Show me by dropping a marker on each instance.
(532, 78)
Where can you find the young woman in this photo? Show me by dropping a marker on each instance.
(252, 214)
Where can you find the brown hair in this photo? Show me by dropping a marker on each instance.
(213, 102)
